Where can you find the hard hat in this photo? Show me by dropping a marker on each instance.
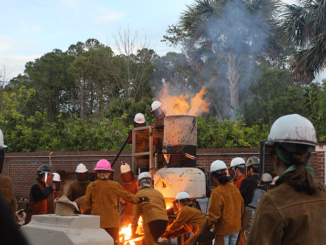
(237, 161)
(139, 118)
(144, 175)
(2, 144)
(156, 104)
(217, 165)
(182, 195)
(252, 161)
(125, 168)
(292, 129)
(56, 177)
(103, 165)
(267, 178)
(81, 168)
(43, 169)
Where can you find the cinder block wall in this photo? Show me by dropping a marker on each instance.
(22, 167)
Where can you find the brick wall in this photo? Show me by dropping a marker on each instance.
(22, 167)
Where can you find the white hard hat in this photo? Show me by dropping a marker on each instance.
(267, 178)
(182, 195)
(237, 161)
(217, 165)
(144, 175)
(155, 105)
(2, 144)
(125, 168)
(139, 118)
(56, 177)
(292, 129)
(81, 168)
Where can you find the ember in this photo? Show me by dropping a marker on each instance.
(183, 104)
(125, 232)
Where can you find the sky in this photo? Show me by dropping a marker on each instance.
(31, 28)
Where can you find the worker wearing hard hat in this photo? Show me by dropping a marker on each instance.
(266, 181)
(159, 115)
(250, 196)
(6, 185)
(102, 196)
(39, 193)
(225, 207)
(155, 218)
(129, 183)
(189, 218)
(237, 166)
(78, 187)
(294, 212)
(56, 193)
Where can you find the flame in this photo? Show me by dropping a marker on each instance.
(125, 232)
(180, 105)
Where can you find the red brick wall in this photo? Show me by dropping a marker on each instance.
(23, 166)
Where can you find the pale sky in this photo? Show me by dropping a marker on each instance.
(31, 28)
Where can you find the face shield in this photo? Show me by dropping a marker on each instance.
(2, 158)
(82, 177)
(158, 113)
(209, 181)
(231, 173)
(57, 185)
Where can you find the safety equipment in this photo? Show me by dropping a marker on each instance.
(125, 168)
(252, 162)
(237, 162)
(157, 110)
(144, 179)
(43, 169)
(103, 165)
(2, 144)
(81, 168)
(139, 120)
(217, 168)
(217, 165)
(266, 178)
(56, 177)
(182, 195)
(294, 133)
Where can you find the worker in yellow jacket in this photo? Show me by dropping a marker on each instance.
(155, 218)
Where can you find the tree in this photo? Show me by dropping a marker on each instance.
(305, 26)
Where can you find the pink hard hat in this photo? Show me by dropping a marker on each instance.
(104, 165)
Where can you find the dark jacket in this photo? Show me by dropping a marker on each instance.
(286, 216)
(247, 188)
(77, 190)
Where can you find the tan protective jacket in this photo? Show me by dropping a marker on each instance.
(225, 210)
(286, 216)
(102, 199)
(7, 193)
(155, 209)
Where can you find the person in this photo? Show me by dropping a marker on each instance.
(78, 187)
(249, 195)
(266, 180)
(237, 165)
(39, 193)
(159, 115)
(155, 218)
(225, 207)
(6, 185)
(129, 183)
(102, 199)
(56, 193)
(189, 219)
(293, 212)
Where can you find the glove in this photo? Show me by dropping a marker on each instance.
(143, 199)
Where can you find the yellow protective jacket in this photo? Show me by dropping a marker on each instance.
(225, 210)
(191, 219)
(77, 190)
(102, 199)
(155, 209)
(286, 216)
(7, 192)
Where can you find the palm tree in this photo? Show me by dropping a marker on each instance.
(305, 26)
(233, 30)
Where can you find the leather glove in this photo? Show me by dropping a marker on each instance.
(143, 199)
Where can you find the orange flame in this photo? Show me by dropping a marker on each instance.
(125, 232)
(179, 105)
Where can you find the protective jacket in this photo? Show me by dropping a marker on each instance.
(192, 220)
(238, 181)
(142, 140)
(286, 216)
(225, 209)
(155, 209)
(77, 190)
(7, 193)
(102, 199)
(128, 207)
(38, 203)
(51, 198)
